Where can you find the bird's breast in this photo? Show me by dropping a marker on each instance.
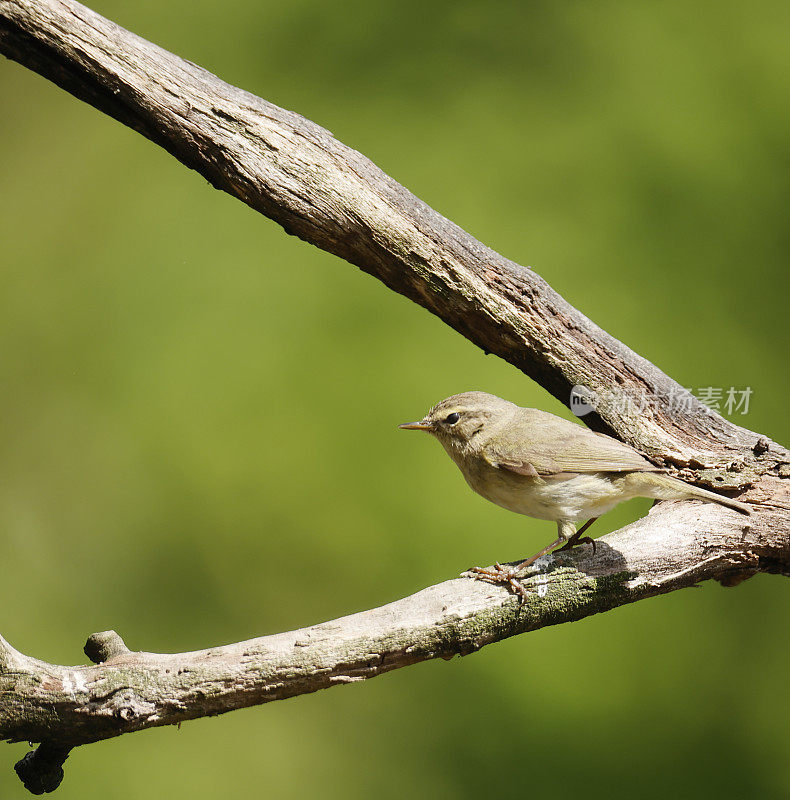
(518, 493)
(571, 497)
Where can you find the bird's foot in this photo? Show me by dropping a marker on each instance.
(576, 539)
(499, 574)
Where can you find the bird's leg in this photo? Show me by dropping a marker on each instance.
(577, 537)
(507, 575)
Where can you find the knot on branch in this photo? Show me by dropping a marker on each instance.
(41, 770)
(103, 646)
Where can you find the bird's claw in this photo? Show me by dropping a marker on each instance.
(498, 574)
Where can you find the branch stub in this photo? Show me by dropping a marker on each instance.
(41, 770)
(104, 645)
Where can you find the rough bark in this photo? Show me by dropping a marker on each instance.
(677, 545)
(297, 174)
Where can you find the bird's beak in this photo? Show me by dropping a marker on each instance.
(422, 425)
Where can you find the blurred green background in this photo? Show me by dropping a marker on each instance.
(198, 439)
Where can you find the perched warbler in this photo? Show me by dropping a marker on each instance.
(535, 463)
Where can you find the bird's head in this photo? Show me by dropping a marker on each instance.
(459, 419)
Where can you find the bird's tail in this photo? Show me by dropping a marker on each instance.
(663, 487)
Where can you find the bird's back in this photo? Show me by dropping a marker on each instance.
(552, 445)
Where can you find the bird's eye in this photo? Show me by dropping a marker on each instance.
(451, 419)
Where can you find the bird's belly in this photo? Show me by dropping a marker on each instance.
(573, 497)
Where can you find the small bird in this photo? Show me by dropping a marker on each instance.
(535, 463)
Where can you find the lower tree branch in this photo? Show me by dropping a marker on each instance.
(679, 544)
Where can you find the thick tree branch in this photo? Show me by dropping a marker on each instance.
(296, 173)
(675, 546)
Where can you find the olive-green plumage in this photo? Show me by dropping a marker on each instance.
(535, 463)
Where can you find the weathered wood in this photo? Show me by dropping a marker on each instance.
(299, 175)
(677, 545)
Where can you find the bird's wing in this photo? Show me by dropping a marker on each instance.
(543, 444)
